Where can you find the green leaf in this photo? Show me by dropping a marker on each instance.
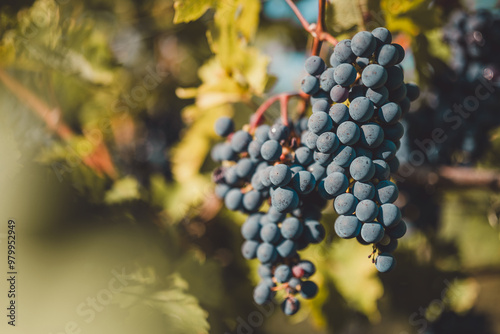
(125, 189)
(191, 10)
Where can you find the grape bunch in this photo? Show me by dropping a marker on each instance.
(344, 151)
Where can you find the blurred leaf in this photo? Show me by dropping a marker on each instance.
(125, 189)
(411, 17)
(190, 10)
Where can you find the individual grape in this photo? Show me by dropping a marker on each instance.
(371, 135)
(387, 55)
(317, 170)
(319, 96)
(389, 247)
(348, 133)
(389, 113)
(361, 241)
(372, 232)
(398, 94)
(265, 271)
(322, 158)
(250, 230)
(347, 227)
(357, 91)
(230, 176)
(393, 165)
(362, 62)
(294, 283)
(361, 109)
(283, 273)
(339, 94)
(387, 192)
(226, 152)
(286, 248)
(378, 96)
(266, 252)
(412, 91)
(304, 269)
(333, 185)
(224, 126)
(249, 249)
(270, 233)
(284, 199)
(389, 215)
(268, 281)
(233, 199)
(264, 176)
(386, 150)
(345, 75)
(319, 122)
(310, 139)
(274, 216)
(296, 168)
(280, 175)
(401, 52)
(363, 190)
(290, 306)
(394, 132)
(385, 262)
(405, 105)
(382, 35)
(304, 182)
(254, 150)
(374, 76)
(344, 156)
(256, 182)
(261, 294)
(314, 231)
(262, 133)
(327, 80)
(291, 228)
(363, 44)
(314, 65)
(320, 105)
(244, 168)
(303, 155)
(366, 211)
(271, 150)
(327, 142)
(342, 53)
(398, 231)
(333, 167)
(309, 85)
(252, 200)
(221, 190)
(362, 169)
(382, 170)
(279, 132)
(345, 204)
(240, 141)
(339, 113)
(308, 289)
(395, 77)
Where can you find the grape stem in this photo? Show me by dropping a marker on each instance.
(317, 30)
(283, 99)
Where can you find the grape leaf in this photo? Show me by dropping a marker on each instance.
(191, 10)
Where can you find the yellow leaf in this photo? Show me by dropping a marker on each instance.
(190, 10)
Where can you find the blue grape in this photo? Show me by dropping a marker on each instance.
(333, 167)
(362, 169)
(271, 150)
(317, 170)
(265, 176)
(291, 228)
(348, 133)
(284, 199)
(226, 152)
(250, 230)
(386, 150)
(244, 168)
(362, 61)
(270, 233)
(319, 122)
(280, 175)
(314, 231)
(382, 35)
(372, 135)
(366, 211)
(322, 158)
(320, 105)
(405, 105)
(342, 53)
(345, 75)
(398, 231)
(304, 269)
(296, 168)
(394, 132)
(249, 249)
(361, 109)
(286, 248)
(252, 200)
(283, 273)
(254, 150)
(339, 113)
(240, 141)
(308, 289)
(233, 199)
(304, 182)
(387, 192)
(401, 52)
(279, 132)
(221, 190)
(357, 91)
(347, 227)
(314, 65)
(256, 182)
(339, 94)
(327, 80)
(378, 96)
(310, 139)
(274, 216)
(294, 283)
(224, 126)
(412, 91)
(394, 165)
(382, 170)
(398, 94)
(395, 77)
(363, 44)
(262, 133)
(319, 96)
(261, 294)
(265, 271)
(387, 247)
(327, 142)
(389, 215)
(309, 85)
(266, 252)
(290, 306)
(374, 76)
(303, 155)
(268, 281)
(372, 232)
(333, 185)
(363, 190)
(389, 113)
(364, 152)
(344, 155)
(385, 262)
(387, 55)
(345, 204)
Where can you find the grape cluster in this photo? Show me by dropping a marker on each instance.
(344, 151)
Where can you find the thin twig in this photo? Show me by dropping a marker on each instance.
(259, 113)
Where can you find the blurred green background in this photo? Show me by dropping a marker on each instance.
(106, 114)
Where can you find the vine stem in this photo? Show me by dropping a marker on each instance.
(283, 99)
